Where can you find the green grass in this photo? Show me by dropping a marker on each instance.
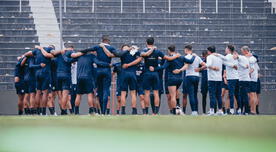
(138, 133)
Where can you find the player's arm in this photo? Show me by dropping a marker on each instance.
(45, 53)
(170, 58)
(76, 54)
(106, 51)
(29, 53)
(138, 60)
(209, 64)
(87, 50)
(101, 63)
(24, 59)
(189, 61)
(67, 57)
(148, 53)
(242, 64)
(32, 65)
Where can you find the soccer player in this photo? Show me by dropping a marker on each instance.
(53, 88)
(192, 76)
(214, 65)
(151, 77)
(19, 85)
(225, 92)
(64, 61)
(118, 70)
(43, 75)
(85, 83)
(29, 82)
(254, 70)
(204, 83)
(230, 61)
(129, 61)
(244, 80)
(103, 73)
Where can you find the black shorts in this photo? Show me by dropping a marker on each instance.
(259, 86)
(128, 79)
(73, 89)
(63, 84)
(85, 86)
(43, 82)
(225, 86)
(19, 86)
(151, 81)
(174, 82)
(30, 86)
(253, 86)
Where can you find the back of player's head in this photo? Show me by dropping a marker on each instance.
(150, 41)
(188, 47)
(125, 46)
(245, 48)
(231, 48)
(204, 53)
(105, 38)
(52, 46)
(211, 49)
(171, 48)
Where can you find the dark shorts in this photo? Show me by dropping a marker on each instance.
(253, 86)
(19, 86)
(30, 86)
(140, 89)
(63, 84)
(225, 86)
(185, 86)
(43, 82)
(174, 82)
(85, 86)
(151, 81)
(258, 86)
(128, 81)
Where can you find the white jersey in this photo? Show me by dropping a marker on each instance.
(191, 68)
(229, 62)
(74, 73)
(255, 67)
(243, 68)
(214, 61)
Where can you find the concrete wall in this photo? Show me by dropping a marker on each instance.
(8, 103)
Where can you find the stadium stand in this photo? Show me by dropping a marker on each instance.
(179, 22)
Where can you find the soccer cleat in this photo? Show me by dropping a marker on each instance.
(211, 112)
(232, 111)
(239, 112)
(178, 110)
(194, 113)
(219, 113)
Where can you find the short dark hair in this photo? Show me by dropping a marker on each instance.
(231, 48)
(204, 53)
(124, 46)
(189, 47)
(171, 48)
(105, 38)
(212, 49)
(150, 41)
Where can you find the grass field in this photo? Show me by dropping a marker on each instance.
(138, 133)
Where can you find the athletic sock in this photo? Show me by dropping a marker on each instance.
(123, 110)
(20, 112)
(38, 111)
(107, 111)
(144, 111)
(171, 111)
(147, 110)
(71, 111)
(177, 103)
(118, 112)
(91, 110)
(228, 111)
(52, 110)
(34, 111)
(134, 111)
(223, 109)
(156, 109)
(77, 110)
(26, 111)
(257, 109)
(43, 110)
(184, 109)
(174, 111)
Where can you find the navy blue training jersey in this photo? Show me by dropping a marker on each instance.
(19, 70)
(177, 63)
(152, 59)
(85, 66)
(64, 64)
(30, 68)
(40, 58)
(128, 58)
(101, 55)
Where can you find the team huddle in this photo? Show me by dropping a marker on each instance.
(44, 73)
